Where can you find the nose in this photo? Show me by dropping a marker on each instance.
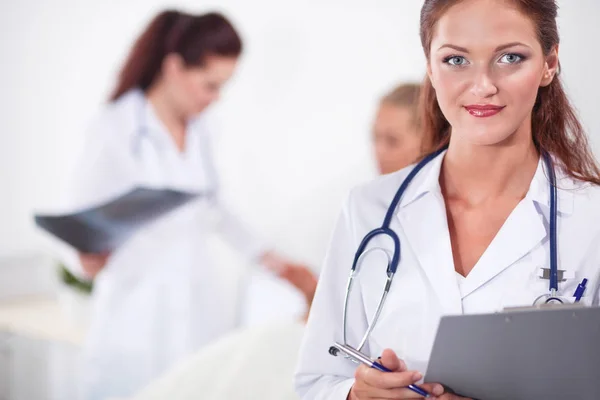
(483, 85)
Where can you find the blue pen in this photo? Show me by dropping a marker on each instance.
(360, 357)
(580, 290)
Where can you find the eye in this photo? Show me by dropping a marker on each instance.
(511, 58)
(455, 60)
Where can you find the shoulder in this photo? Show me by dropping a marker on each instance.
(371, 200)
(424, 177)
(118, 119)
(585, 198)
(204, 127)
(578, 206)
(381, 188)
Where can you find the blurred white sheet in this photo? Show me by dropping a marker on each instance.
(252, 363)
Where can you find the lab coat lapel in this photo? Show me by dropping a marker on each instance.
(426, 229)
(526, 228)
(523, 230)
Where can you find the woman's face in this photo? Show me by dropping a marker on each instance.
(486, 66)
(396, 140)
(192, 89)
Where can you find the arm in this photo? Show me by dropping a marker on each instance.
(104, 169)
(320, 375)
(238, 234)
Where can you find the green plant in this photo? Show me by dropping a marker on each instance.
(71, 280)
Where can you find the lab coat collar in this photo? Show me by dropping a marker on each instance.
(144, 123)
(428, 234)
(539, 190)
(427, 181)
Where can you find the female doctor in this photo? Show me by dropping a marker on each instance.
(473, 224)
(160, 296)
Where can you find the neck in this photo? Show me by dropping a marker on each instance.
(476, 174)
(174, 122)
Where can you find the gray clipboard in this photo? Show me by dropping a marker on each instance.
(546, 353)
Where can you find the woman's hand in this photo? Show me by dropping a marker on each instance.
(300, 276)
(93, 263)
(373, 384)
(450, 396)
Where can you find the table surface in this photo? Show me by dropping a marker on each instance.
(40, 318)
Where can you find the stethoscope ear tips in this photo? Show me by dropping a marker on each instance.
(333, 351)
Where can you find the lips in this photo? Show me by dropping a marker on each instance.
(483, 110)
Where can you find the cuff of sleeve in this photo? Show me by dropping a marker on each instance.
(342, 389)
(254, 251)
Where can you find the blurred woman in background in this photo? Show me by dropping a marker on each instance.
(160, 296)
(261, 359)
(396, 136)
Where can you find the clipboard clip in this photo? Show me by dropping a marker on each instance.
(577, 305)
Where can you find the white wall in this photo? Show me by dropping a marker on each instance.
(294, 120)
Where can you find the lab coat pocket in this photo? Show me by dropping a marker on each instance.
(585, 300)
(534, 288)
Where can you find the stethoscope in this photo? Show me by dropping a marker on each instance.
(392, 264)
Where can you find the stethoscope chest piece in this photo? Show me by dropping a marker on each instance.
(548, 299)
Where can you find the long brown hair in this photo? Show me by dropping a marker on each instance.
(555, 126)
(193, 37)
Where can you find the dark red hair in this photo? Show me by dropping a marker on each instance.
(193, 37)
(555, 126)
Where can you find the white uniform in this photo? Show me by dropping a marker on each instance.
(160, 297)
(426, 285)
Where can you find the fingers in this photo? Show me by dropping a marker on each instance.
(94, 257)
(93, 263)
(371, 383)
(386, 380)
(273, 262)
(377, 393)
(450, 396)
(389, 360)
(301, 277)
(433, 388)
(362, 390)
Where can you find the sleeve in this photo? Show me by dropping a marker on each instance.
(237, 233)
(228, 225)
(320, 375)
(104, 168)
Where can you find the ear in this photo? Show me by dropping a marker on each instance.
(172, 65)
(551, 67)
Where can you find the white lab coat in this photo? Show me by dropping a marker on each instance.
(160, 296)
(426, 285)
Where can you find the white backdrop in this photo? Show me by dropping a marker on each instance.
(294, 121)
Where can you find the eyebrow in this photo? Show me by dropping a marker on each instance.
(499, 48)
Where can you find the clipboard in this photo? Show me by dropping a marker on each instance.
(105, 227)
(521, 354)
